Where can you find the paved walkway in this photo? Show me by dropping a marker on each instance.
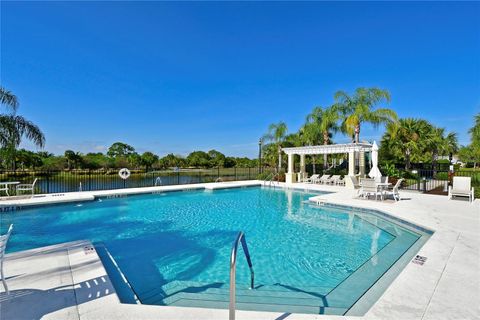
(68, 281)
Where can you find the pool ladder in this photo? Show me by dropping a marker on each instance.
(233, 263)
(271, 180)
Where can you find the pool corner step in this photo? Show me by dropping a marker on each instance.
(275, 297)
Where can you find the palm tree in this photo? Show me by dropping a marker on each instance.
(310, 135)
(359, 108)
(326, 121)
(440, 144)
(14, 127)
(475, 130)
(406, 139)
(277, 133)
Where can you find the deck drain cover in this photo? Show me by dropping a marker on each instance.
(419, 260)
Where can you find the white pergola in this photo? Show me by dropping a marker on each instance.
(350, 148)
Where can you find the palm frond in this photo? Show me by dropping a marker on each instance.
(14, 127)
(8, 99)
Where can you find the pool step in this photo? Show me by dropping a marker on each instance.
(271, 307)
(275, 290)
(277, 297)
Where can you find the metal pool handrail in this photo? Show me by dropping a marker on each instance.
(233, 260)
(271, 181)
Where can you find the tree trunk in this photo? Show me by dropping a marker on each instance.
(434, 163)
(325, 142)
(279, 158)
(313, 163)
(357, 133)
(407, 162)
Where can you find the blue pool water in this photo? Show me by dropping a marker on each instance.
(174, 247)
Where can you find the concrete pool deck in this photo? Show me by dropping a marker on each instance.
(68, 281)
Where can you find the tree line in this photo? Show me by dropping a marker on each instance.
(120, 155)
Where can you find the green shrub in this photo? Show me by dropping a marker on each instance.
(442, 176)
(390, 171)
(410, 175)
(264, 175)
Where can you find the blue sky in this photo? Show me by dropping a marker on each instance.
(176, 77)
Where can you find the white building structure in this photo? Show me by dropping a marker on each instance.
(352, 149)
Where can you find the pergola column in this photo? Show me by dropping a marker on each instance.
(290, 176)
(351, 163)
(351, 169)
(302, 173)
(361, 163)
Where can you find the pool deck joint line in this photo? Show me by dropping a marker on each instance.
(65, 281)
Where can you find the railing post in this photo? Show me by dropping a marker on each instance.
(235, 170)
(233, 264)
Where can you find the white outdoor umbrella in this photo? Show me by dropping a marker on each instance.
(375, 172)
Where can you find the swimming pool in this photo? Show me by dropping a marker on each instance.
(174, 247)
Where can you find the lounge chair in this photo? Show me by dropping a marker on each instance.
(3, 245)
(462, 187)
(395, 193)
(4, 188)
(354, 182)
(27, 186)
(324, 179)
(369, 187)
(312, 179)
(341, 181)
(333, 179)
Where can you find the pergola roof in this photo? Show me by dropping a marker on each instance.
(330, 148)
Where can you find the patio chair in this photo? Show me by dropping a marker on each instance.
(27, 186)
(324, 179)
(3, 245)
(462, 187)
(395, 193)
(4, 188)
(369, 187)
(312, 179)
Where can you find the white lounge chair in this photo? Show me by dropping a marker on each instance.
(340, 181)
(333, 179)
(369, 187)
(462, 187)
(3, 245)
(27, 186)
(354, 182)
(312, 179)
(395, 191)
(324, 179)
(4, 188)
